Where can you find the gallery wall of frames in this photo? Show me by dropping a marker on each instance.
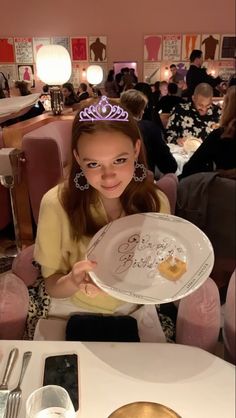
(18, 55)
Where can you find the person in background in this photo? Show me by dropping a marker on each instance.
(21, 88)
(69, 96)
(176, 76)
(166, 103)
(163, 87)
(196, 118)
(196, 75)
(82, 92)
(107, 157)
(156, 93)
(218, 151)
(111, 87)
(133, 76)
(159, 157)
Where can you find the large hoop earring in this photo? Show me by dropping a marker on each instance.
(140, 172)
(77, 182)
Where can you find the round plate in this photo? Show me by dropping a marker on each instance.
(144, 410)
(129, 252)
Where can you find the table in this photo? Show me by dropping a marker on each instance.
(180, 156)
(191, 381)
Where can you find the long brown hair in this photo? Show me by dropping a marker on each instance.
(228, 118)
(137, 197)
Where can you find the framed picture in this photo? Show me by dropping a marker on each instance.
(152, 72)
(153, 48)
(24, 50)
(228, 47)
(26, 73)
(7, 50)
(97, 48)
(38, 43)
(10, 72)
(171, 48)
(79, 50)
(190, 41)
(61, 40)
(210, 45)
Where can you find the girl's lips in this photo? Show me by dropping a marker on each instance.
(111, 187)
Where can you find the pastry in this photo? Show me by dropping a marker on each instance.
(172, 268)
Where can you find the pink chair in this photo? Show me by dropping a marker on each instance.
(168, 185)
(198, 320)
(229, 331)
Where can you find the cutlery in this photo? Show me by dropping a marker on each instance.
(4, 391)
(14, 397)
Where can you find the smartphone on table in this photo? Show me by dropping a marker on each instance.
(62, 370)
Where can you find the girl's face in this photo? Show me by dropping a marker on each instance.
(107, 160)
(65, 92)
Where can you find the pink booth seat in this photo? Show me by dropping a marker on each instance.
(229, 329)
(5, 205)
(46, 152)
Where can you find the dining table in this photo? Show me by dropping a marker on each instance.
(189, 380)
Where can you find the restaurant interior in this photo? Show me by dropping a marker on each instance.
(117, 209)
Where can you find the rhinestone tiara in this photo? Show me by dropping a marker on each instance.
(103, 110)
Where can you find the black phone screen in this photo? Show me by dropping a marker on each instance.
(62, 370)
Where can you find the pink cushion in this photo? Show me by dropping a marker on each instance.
(198, 320)
(168, 185)
(229, 321)
(22, 266)
(14, 301)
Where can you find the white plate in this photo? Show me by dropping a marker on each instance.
(129, 249)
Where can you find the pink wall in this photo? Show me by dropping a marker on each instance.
(124, 22)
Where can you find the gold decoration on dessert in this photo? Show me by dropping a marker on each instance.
(172, 268)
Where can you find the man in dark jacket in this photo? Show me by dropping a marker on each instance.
(196, 75)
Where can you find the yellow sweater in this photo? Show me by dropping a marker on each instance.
(56, 252)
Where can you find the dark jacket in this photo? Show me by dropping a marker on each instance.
(214, 153)
(196, 75)
(157, 151)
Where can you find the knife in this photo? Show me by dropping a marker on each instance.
(4, 392)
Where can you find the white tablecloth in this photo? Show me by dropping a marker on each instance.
(189, 380)
(180, 156)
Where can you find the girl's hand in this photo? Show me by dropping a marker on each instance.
(82, 280)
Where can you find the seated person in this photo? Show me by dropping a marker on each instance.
(176, 75)
(157, 151)
(101, 186)
(218, 151)
(166, 103)
(196, 118)
(69, 95)
(82, 92)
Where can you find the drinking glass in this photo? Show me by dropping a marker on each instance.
(49, 402)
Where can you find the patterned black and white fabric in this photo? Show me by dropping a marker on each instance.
(185, 121)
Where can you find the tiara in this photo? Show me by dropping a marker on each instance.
(103, 111)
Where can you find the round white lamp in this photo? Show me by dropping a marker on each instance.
(94, 74)
(54, 68)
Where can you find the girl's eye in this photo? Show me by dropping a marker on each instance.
(92, 165)
(120, 161)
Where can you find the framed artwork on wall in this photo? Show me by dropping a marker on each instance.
(26, 73)
(153, 48)
(226, 69)
(228, 46)
(38, 43)
(61, 40)
(171, 47)
(23, 50)
(97, 48)
(190, 41)
(210, 45)
(10, 72)
(79, 50)
(7, 50)
(152, 72)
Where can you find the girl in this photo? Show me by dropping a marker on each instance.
(107, 180)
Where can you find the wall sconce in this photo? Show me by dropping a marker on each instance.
(84, 74)
(166, 72)
(54, 68)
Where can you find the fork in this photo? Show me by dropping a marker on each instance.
(14, 397)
